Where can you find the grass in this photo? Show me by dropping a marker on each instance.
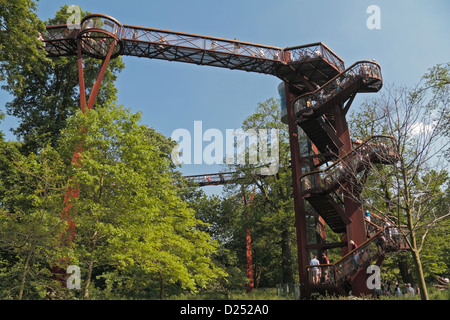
(268, 294)
(273, 294)
(256, 294)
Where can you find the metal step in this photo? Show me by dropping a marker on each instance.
(331, 212)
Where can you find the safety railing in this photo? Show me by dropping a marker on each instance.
(360, 71)
(98, 33)
(199, 42)
(362, 256)
(102, 22)
(97, 21)
(379, 146)
(215, 178)
(313, 51)
(59, 40)
(371, 228)
(384, 241)
(195, 43)
(374, 224)
(58, 33)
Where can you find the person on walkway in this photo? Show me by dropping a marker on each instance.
(387, 228)
(409, 290)
(315, 270)
(355, 253)
(326, 269)
(397, 290)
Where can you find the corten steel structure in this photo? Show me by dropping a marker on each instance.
(214, 179)
(317, 93)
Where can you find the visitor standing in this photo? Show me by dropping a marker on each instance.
(315, 270)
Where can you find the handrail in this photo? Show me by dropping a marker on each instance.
(101, 22)
(351, 261)
(102, 16)
(348, 156)
(215, 178)
(159, 38)
(351, 151)
(361, 69)
(302, 52)
(200, 36)
(200, 42)
(333, 267)
(57, 32)
(348, 253)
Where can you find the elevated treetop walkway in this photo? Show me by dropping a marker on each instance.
(215, 179)
(318, 92)
(300, 65)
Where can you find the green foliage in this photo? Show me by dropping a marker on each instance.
(413, 191)
(437, 80)
(44, 100)
(31, 197)
(270, 215)
(133, 230)
(20, 48)
(138, 233)
(129, 215)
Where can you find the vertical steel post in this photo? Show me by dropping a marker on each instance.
(356, 230)
(248, 242)
(321, 235)
(83, 103)
(299, 204)
(101, 73)
(72, 191)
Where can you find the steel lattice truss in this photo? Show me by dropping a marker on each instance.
(315, 62)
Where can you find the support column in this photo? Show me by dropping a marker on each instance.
(299, 204)
(248, 243)
(356, 230)
(73, 191)
(101, 73)
(83, 103)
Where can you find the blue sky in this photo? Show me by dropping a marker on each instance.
(414, 36)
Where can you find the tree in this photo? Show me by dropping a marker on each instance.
(270, 217)
(48, 94)
(222, 218)
(409, 191)
(20, 46)
(31, 193)
(437, 87)
(128, 214)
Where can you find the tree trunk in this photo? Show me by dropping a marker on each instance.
(412, 237)
(88, 280)
(161, 286)
(405, 271)
(286, 258)
(24, 275)
(420, 276)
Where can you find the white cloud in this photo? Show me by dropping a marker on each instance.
(421, 128)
